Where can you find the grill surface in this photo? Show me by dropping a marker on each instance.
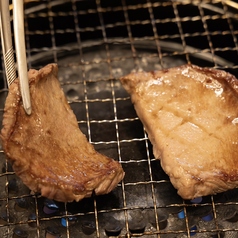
(94, 43)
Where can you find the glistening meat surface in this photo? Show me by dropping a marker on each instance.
(47, 149)
(191, 117)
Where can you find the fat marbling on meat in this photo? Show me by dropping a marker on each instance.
(191, 117)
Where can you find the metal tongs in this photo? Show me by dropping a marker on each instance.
(8, 52)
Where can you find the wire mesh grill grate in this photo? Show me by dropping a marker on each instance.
(94, 43)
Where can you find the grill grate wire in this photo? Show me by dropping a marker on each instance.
(94, 43)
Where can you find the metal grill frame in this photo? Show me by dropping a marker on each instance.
(222, 10)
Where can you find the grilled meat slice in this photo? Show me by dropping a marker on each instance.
(190, 115)
(47, 149)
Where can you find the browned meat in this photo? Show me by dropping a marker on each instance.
(47, 149)
(191, 116)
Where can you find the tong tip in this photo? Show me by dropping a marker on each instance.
(28, 110)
